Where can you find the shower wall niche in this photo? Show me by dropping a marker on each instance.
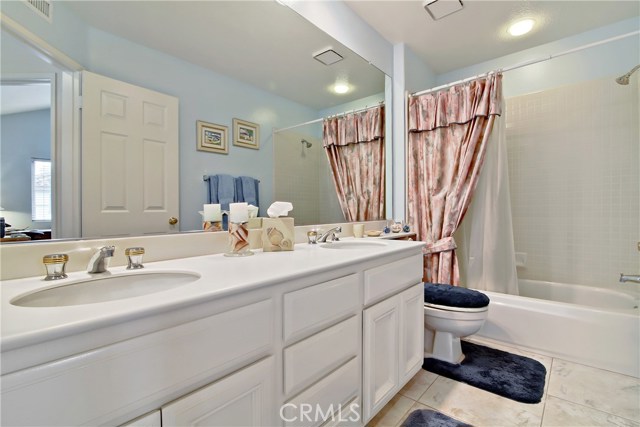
(302, 176)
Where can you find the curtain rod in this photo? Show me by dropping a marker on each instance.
(354, 111)
(530, 62)
(298, 125)
(321, 119)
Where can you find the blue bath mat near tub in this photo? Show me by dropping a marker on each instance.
(429, 418)
(505, 374)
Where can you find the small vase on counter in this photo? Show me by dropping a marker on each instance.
(238, 230)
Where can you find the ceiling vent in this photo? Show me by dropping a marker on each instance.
(440, 8)
(328, 57)
(43, 8)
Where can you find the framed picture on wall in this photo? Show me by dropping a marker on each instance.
(246, 134)
(212, 137)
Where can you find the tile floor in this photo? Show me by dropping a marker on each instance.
(575, 395)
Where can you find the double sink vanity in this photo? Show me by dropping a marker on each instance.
(322, 335)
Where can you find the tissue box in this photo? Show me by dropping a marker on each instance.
(278, 234)
(254, 227)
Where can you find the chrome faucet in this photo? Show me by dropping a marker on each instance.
(629, 278)
(99, 262)
(330, 233)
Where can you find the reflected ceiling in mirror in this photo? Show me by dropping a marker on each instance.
(259, 42)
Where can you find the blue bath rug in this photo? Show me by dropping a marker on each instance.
(429, 418)
(505, 374)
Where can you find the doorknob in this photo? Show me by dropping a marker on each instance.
(173, 220)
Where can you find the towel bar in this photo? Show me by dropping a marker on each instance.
(206, 178)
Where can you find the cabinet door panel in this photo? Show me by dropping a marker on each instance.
(411, 332)
(381, 341)
(241, 399)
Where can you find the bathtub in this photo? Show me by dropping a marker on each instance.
(592, 326)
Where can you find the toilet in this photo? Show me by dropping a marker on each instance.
(451, 313)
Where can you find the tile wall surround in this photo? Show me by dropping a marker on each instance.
(575, 185)
(302, 176)
(19, 260)
(296, 174)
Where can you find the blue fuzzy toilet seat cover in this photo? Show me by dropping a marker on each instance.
(454, 296)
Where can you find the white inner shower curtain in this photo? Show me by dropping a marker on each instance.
(486, 251)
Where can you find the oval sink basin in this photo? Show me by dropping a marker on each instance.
(103, 289)
(354, 245)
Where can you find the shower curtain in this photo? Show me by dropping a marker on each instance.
(448, 136)
(354, 144)
(486, 251)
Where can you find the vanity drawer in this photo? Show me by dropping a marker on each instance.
(162, 363)
(390, 278)
(339, 387)
(317, 355)
(307, 310)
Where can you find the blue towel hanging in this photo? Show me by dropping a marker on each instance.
(221, 190)
(248, 190)
(224, 189)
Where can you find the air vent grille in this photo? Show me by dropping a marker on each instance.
(44, 8)
(328, 56)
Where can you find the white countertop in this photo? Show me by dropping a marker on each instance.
(220, 276)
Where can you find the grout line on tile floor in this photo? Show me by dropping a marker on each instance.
(591, 408)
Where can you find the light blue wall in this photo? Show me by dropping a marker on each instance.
(610, 59)
(204, 95)
(417, 74)
(67, 33)
(24, 136)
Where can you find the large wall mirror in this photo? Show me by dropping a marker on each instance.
(223, 60)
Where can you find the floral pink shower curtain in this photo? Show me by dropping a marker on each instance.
(448, 136)
(354, 144)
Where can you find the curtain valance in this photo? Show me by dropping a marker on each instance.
(354, 128)
(460, 104)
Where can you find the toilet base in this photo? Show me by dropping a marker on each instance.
(445, 347)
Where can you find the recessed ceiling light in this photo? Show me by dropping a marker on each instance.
(521, 27)
(341, 88)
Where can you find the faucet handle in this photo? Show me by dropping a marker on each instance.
(134, 257)
(55, 265)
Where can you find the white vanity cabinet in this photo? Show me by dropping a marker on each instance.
(392, 332)
(335, 340)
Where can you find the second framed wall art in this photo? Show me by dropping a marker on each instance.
(246, 134)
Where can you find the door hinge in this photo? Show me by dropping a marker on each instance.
(79, 101)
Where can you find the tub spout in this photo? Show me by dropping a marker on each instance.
(629, 278)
